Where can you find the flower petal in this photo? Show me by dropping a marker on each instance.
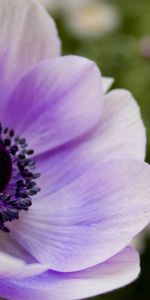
(12, 248)
(14, 268)
(114, 273)
(120, 134)
(15, 261)
(27, 36)
(60, 100)
(89, 220)
(107, 83)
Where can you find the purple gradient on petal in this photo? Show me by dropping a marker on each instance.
(56, 89)
(114, 273)
(72, 228)
(90, 205)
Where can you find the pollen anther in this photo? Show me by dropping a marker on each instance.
(18, 175)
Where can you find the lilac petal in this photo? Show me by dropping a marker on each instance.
(27, 36)
(89, 220)
(107, 83)
(60, 100)
(118, 271)
(119, 134)
(15, 261)
(12, 248)
(14, 268)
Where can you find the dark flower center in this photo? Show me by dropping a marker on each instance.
(17, 176)
(5, 167)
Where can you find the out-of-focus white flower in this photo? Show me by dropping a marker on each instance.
(93, 19)
(86, 18)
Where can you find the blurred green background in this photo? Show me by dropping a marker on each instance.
(118, 55)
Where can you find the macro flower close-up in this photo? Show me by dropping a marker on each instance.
(74, 187)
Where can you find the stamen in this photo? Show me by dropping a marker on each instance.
(18, 173)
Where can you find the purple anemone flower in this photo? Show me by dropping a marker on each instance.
(74, 188)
